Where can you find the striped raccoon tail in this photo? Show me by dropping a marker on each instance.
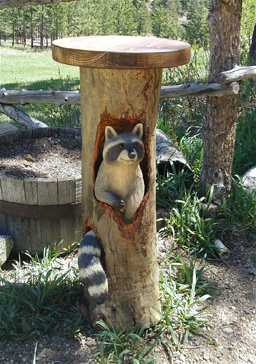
(90, 268)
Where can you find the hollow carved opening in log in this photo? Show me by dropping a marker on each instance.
(121, 126)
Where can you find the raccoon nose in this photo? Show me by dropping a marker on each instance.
(131, 155)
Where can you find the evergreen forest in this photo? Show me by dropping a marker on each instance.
(39, 25)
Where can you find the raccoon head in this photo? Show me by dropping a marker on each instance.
(123, 147)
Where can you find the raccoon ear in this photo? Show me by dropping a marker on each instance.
(109, 132)
(138, 130)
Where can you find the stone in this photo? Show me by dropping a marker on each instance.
(251, 271)
(6, 245)
(249, 178)
(7, 128)
(228, 330)
(223, 251)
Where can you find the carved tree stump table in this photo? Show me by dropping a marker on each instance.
(120, 85)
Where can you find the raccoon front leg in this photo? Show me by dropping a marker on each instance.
(110, 198)
(129, 212)
(134, 200)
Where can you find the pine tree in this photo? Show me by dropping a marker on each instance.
(196, 27)
(142, 18)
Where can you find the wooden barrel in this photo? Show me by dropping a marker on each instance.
(40, 212)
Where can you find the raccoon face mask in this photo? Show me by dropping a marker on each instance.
(123, 147)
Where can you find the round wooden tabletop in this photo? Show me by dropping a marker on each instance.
(121, 52)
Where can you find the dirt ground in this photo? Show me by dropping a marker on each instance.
(231, 317)
(49, 157)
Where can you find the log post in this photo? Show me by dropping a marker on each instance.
(219, 127)
(120, 87)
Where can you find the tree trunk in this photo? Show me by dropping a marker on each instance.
(253, 47)
(128, 97)
(42, 28)
(220, 125)
(13, 28)
(31, 27)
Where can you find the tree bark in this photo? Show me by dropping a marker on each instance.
(127, 97)
(220, 125)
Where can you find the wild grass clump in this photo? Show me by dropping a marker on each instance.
(181, 303)
(38, 297)
(244, 153)
(189, 227)
(176, 192)
(182, 294)
(239, 211)
(118, 346)
(191, 145)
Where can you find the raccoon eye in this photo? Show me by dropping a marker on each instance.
(121, 146)
(135, 144)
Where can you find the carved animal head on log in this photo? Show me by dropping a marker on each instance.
(123, 147)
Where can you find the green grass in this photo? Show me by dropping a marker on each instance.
(35, 70)
(38, 296)
(117, 346)
(32, 69)
(244, 154)
(233, 210)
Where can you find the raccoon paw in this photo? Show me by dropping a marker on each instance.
(118, 204)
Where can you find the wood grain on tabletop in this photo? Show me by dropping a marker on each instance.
(121, 52)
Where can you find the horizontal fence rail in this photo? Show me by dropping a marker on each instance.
(227, 83)
(23, 97)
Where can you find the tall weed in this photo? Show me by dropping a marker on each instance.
(181, 314)
(189, 227)
(39, 297)
(118, 346)
(244, 153)
(239, 211)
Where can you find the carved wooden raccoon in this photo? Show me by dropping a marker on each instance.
(120, 184)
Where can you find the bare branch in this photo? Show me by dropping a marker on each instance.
(236, 74)
(23, 97)
(21, 117)
(212, 89)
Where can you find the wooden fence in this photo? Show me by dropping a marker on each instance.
(227, 83)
